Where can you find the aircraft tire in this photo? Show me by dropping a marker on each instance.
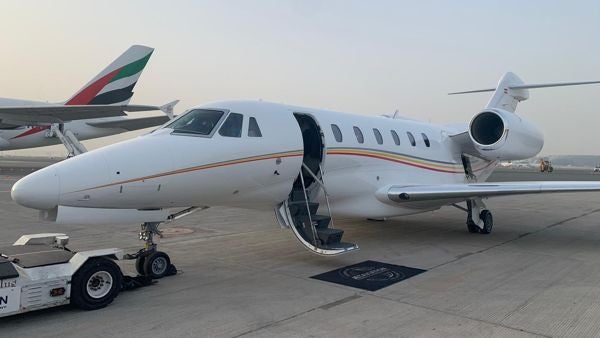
(156, 265)
(488, 222)
(472, 227)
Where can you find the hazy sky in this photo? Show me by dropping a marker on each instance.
(367, 57)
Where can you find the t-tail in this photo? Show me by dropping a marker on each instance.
(511, 90)
(496, 133)
(114, 85)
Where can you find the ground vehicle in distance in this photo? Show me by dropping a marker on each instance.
(546, 166)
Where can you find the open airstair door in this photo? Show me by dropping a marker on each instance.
(299, 211)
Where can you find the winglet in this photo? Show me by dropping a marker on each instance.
(168, 108)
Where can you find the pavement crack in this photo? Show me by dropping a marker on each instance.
(520, 236)
(339, 302)
(275, 322)
(460, 316)
(322, 307)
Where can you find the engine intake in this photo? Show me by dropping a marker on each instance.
(487, 128)
(500, 135)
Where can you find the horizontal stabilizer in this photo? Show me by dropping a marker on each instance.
(511, 90)
(529, 86)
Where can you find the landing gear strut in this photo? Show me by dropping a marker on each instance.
(483, 221)
(148, 260)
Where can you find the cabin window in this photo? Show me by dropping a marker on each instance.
(197, 121)
(426, 140)
(232, 127)
(253, 129)
(411, 138)
(359, 135)
(378, 136)
(395, 137)
(337, 133)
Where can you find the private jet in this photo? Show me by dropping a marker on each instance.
(96, 110)
(308, 165)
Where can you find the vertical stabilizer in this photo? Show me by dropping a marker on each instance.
(114, 85)
(505, 97)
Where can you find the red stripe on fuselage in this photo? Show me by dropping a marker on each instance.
(33, 130)
(88, 93)
(385, 158)
(395, 160)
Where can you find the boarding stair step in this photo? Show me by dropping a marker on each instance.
(329, 236)
(299, 207)
(320, 221)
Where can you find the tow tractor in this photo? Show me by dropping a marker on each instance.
(546, 166)
(39, 271)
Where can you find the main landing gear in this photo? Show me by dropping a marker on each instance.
(483, 222)
(149, 261)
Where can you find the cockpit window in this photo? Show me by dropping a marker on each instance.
(232, 127)
(197, 121)
(253, 129)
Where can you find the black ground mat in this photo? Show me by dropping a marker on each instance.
(369, 275)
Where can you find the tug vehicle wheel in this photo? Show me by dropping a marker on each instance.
(96, 284)
(157, 264)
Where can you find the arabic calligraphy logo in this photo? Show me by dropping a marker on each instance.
(371, 274)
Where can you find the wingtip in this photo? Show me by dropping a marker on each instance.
(169, 108)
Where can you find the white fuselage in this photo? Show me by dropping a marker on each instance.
(163, 169)
(23, 137)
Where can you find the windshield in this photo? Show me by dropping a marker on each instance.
(197, 121)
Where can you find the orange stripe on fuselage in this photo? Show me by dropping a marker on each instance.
(205, 166)
(406, 160)
(422, 164)
(419, 163)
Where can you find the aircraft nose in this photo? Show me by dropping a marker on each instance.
(38, 190)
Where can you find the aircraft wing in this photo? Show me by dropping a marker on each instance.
(39, 115)
(424, 193)
(132, 123)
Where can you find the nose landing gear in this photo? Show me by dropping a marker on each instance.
(148, 260)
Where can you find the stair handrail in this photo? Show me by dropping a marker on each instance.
(315, 177)
(326, 195)
(312, 226)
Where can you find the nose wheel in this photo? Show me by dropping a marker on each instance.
(156, 265)
(149, 261)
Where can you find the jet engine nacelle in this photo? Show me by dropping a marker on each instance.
(501, 135)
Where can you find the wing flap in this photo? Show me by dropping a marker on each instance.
(130, 124)
(37, 115)
(419, 193)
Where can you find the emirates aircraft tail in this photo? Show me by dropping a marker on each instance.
(114, 85)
